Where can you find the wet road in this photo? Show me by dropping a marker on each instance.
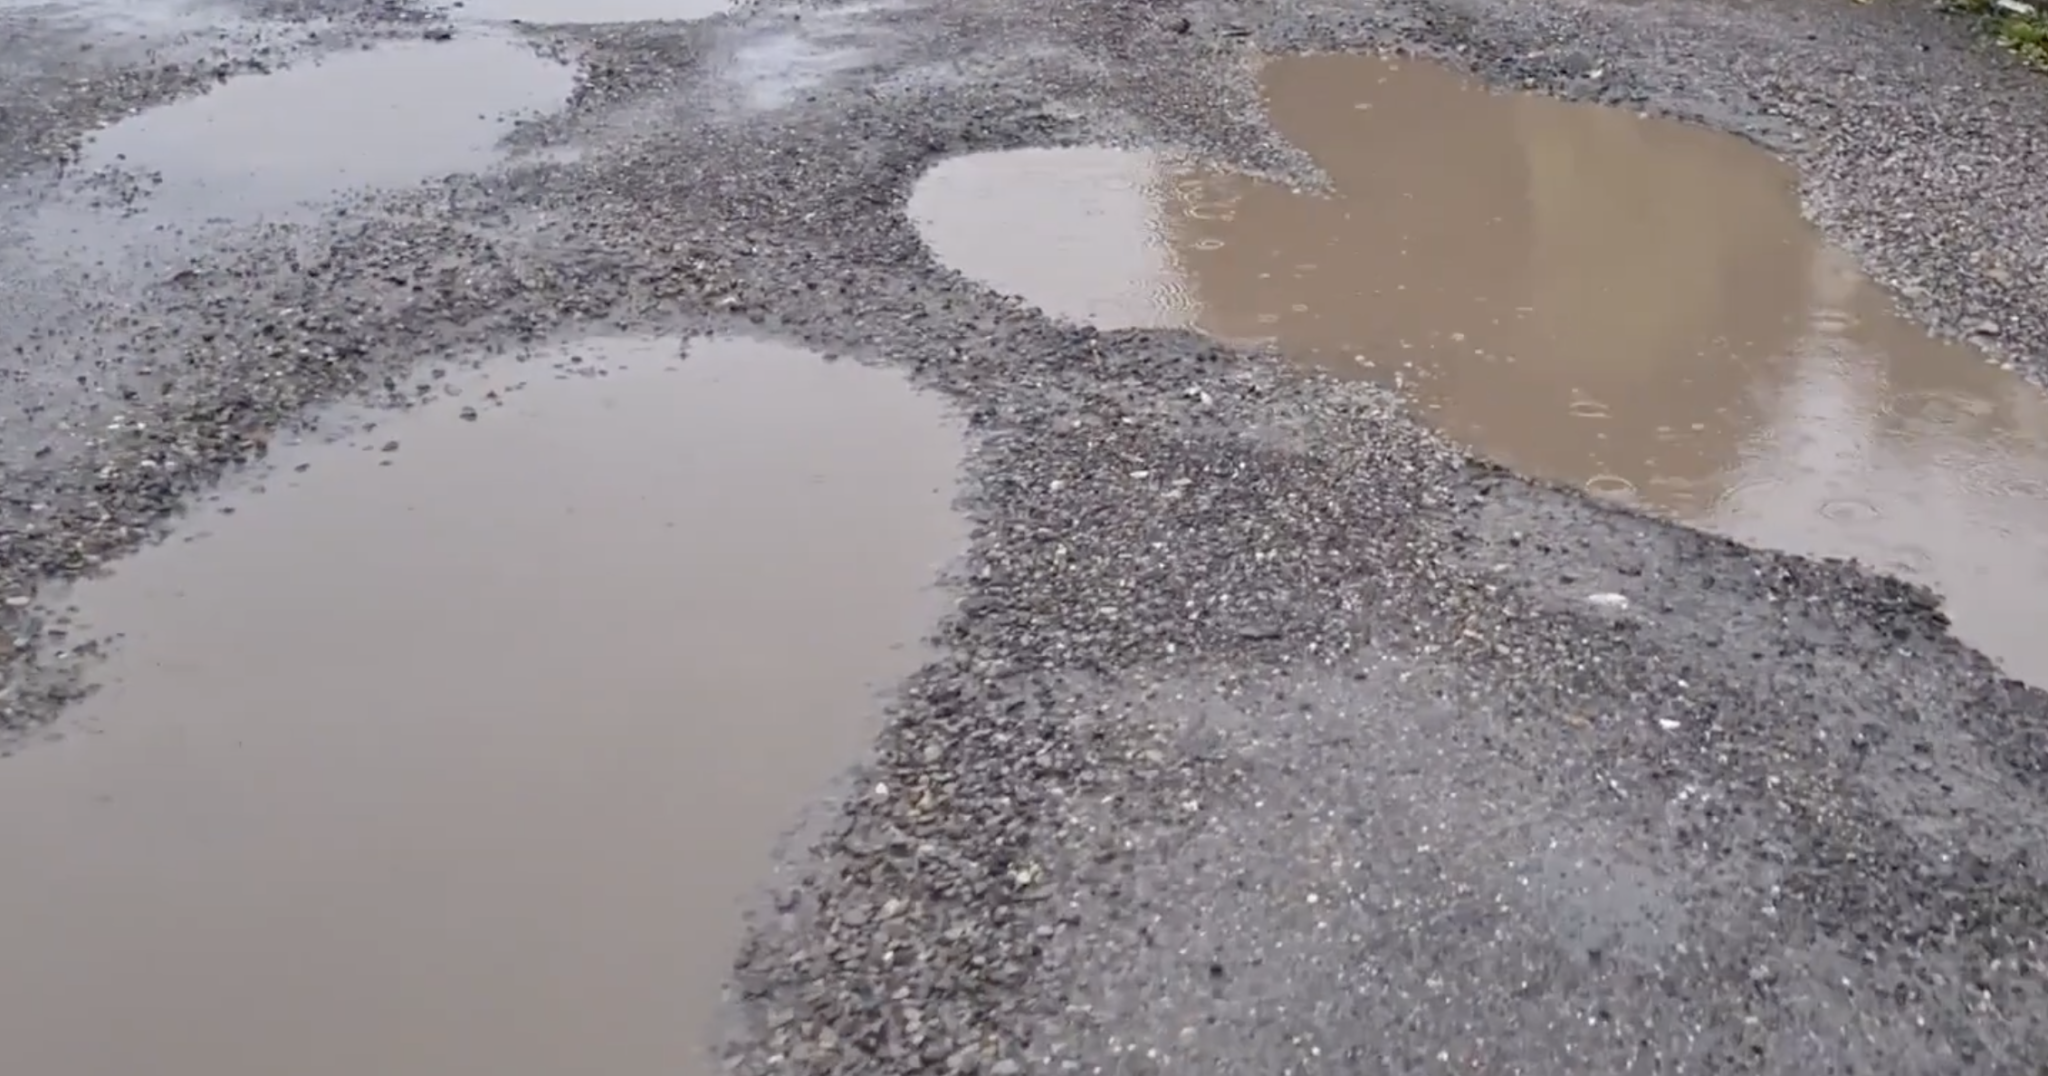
(613, 436)
(1626, 304)
(399, 767)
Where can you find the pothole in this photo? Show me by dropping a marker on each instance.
(457, 749)
(1100, 251)
(122, 16)
(557, 12)
(388, 116)
(1627, 304)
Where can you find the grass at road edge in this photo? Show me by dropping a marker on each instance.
(2020, 25)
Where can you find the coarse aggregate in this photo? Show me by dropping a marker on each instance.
(1270, 733)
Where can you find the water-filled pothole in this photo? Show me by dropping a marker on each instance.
(587, 11)
(458, 757)
(1628, 304)
(1098, 252)
(141, 17)
(386, 116)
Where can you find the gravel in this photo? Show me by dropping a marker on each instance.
(1271, 734)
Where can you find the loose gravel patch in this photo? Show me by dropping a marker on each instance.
(1229, 638)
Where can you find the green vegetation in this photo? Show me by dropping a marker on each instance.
(2021, 26)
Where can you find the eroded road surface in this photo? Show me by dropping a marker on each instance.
(1315, 536)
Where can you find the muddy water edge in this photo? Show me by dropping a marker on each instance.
(559, 12)
(176, 182)
(1626, 304)
(387, 116)
(458, 747)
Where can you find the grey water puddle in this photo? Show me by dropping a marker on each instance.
(266, 146)
(458, 747)
(121, 16)
(1628, 304)
(66, 324)
(562, 12)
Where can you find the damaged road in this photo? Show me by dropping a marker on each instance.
(1269, 732)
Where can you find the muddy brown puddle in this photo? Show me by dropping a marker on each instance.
(1627, 304)
(462, 757)
(1098, 251)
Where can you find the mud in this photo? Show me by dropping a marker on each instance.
(1628, 305)
(458, 748)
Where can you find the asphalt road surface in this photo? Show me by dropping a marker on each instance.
(1271, 734)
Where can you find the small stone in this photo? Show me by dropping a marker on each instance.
(1005, 1067)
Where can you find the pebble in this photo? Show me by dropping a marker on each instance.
(1071, 819)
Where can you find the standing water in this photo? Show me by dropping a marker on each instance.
(1628, 304)
(377, 117)
(586, 11)
(459, 751)
(276, 146)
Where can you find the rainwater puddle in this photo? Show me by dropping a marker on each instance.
(587, 11)
(122, 16)
(389, 116)
(1626, 304)
(1098, 251)
(461, 757)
